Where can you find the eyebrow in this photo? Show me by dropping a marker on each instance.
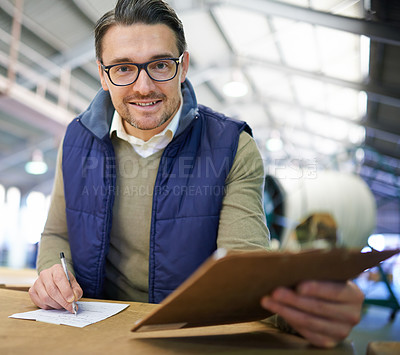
(128, 60)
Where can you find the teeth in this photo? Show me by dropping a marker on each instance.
(145, 104)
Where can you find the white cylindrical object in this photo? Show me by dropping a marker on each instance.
(346, 197)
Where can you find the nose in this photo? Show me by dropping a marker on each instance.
(143, 84)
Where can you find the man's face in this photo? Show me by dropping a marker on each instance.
(146, 106)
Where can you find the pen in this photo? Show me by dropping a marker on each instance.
(64, 265)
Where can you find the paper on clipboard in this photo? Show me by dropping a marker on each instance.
(228, 289)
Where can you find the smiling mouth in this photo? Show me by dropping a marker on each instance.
(144, 104)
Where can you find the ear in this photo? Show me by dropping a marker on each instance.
(185, 66)
(102, 75)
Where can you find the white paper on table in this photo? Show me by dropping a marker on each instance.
(88, 313)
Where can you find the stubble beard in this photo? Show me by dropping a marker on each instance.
(129, 118)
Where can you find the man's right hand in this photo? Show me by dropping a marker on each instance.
(51, 290)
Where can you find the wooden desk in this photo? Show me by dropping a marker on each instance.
(17, 279)
(113, 336)
(383, 348)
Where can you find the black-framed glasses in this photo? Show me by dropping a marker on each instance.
(124, 74)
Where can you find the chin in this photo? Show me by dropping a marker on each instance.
(146, 126)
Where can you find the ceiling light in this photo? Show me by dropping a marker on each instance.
(235, 89)
(37, 166)
(274, 143)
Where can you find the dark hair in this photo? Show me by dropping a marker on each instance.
(150, 12)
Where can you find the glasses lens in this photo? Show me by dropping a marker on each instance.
(164, 69)
(123, 74)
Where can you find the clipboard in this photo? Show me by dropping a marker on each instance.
(228, 286)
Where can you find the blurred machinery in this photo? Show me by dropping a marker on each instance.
(332, 197)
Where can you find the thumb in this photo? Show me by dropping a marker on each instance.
(76, 288)
(78, 294)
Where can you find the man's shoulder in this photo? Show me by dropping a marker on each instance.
(218, 118)
(210, 113)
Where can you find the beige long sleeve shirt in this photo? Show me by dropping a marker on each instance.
(242, 223)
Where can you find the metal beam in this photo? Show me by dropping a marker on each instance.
(233, 52)
(390, 171)
(91, 10)
(26, 105)
(75, 56)
(34, 27)
(377, 31)
(383, 132)
(69, 57)
(37, 78)
(375, 92)
(15, 34)
(378, 184)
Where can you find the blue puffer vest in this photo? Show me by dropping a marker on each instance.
(187, 196)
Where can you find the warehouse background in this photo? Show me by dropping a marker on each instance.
(318, 81)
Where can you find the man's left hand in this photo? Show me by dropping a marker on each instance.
(322, 312)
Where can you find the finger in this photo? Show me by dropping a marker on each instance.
(57, 287)
(344, 299)
(62, 283)
(76, 288)
(35, 298)
(319, 331)
(320, 340)
(303, 319)
(334, 311)
(40, 297)
(344, 292)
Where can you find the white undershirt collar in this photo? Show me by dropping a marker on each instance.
(155, 143)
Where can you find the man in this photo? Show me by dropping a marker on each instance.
(149, 184)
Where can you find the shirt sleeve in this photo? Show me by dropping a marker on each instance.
(242, 224)
(55, 234)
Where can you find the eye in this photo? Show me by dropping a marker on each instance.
(161, 65)
(121, 69)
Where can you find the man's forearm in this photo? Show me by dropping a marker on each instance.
(50, 248)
